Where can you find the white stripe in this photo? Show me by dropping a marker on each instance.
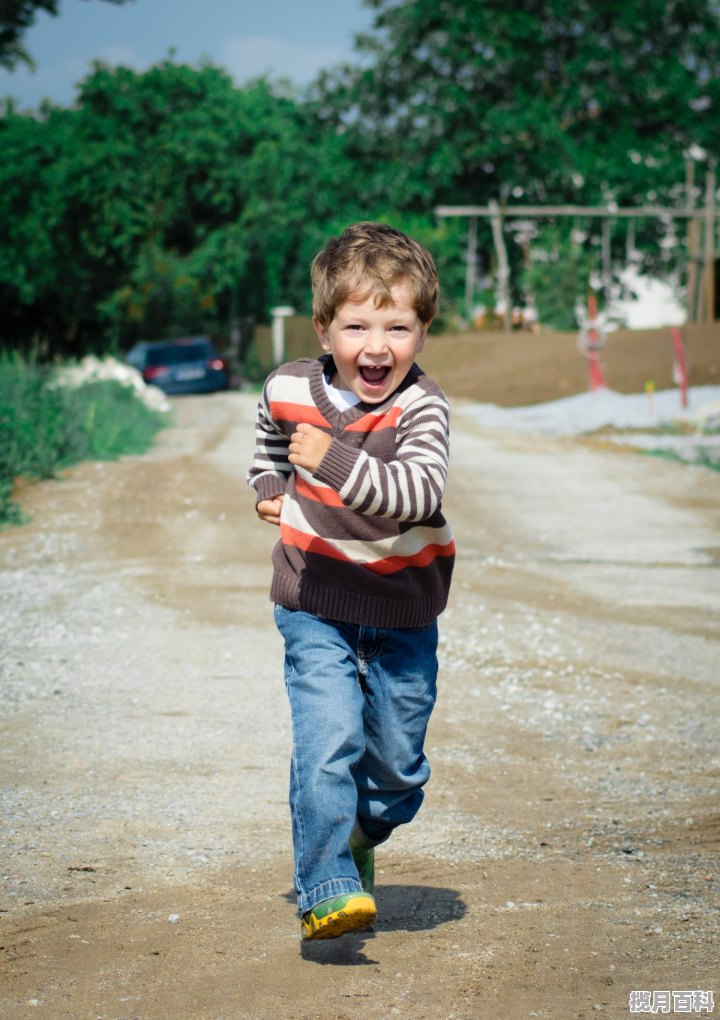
(291, 389)
(407, 544)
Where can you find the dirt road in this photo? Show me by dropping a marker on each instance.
(567, 850)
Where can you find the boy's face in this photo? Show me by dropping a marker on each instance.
(373, 348)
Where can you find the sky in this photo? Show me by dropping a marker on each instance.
(282, 38)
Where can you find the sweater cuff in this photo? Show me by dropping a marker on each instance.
(336, 466)
(268, 487)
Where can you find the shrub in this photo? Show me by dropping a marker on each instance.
(44, 428)
(558, 279)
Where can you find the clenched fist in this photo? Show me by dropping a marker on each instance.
(308, 446)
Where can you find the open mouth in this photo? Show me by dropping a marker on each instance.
(374, 375)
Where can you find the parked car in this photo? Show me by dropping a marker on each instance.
(189, 365)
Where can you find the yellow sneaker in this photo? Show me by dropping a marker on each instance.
(338, 916)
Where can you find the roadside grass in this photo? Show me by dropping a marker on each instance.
(702, 458)
(46, 427)
(699, 455)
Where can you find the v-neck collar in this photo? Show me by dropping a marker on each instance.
(324, 365)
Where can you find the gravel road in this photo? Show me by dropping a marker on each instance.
(567, 850)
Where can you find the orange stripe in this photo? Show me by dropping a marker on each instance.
(390, 565)
(282, 410)
(321, 494)
(309, 543)
(425, 556)
(371, 422)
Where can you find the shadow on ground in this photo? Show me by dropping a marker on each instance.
(408, 908)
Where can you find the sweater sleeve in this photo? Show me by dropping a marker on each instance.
(408, 488)
(270, 469)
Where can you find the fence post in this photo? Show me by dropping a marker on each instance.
(710, 245)
(496, 221)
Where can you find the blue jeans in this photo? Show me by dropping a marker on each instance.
(360, 701)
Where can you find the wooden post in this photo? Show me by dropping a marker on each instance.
(471, 267)
(496, 222)
(692, 243)
(606, 261)
(710, 245)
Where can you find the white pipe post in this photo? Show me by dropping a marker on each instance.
(277, 332)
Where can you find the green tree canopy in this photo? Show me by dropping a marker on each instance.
(163, 198)
(554, 99)
(172, 200)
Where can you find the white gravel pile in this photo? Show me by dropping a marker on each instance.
(91, 369)
(642, 420)
(599, 409)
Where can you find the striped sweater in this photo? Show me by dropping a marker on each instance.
(363, 539)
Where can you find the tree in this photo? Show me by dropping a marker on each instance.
(16, 17)
(165, 201)
(548, 99)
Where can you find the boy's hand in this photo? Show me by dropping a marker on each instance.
(268, 510)
(308, 446)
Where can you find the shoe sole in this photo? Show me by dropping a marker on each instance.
(355, 916)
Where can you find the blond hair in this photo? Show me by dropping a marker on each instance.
(371, 258)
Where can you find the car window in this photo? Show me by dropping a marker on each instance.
(136, 358)
(177, 354)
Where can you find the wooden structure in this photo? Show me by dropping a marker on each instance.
(701, 267)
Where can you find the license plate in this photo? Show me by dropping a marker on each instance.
(186, 374)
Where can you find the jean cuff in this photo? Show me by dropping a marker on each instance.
(334, 887)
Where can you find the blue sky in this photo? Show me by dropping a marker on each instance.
(284, 38)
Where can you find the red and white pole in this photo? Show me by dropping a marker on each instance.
(594, 343)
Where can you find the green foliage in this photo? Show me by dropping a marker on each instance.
(45, 427)
(704, 457)
(558, 278)
(16, 16)
(171, 201)
(553, 99)
(160, 196)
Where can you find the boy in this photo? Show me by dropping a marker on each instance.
(351, 462)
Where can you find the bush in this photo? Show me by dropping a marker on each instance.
(558, 279)
(46, 427)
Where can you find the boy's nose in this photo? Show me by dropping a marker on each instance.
(376, 343)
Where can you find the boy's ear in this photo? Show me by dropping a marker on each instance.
(322, 332)
(421, 339)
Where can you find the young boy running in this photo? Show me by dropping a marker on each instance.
(351, 462)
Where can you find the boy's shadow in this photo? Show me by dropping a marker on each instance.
(400, 908)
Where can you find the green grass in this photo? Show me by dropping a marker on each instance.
(45, 428)
(703, 458)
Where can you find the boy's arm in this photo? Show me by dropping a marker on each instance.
(408, 488)
(270, 468)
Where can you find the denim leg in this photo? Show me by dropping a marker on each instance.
(399, 675)
(326, 706)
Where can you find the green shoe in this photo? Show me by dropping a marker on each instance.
(364, 857)
(338, 916)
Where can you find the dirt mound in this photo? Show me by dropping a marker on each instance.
(517, 369)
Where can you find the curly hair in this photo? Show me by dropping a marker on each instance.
(369, 259)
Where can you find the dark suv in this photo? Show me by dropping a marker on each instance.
(190, 365)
